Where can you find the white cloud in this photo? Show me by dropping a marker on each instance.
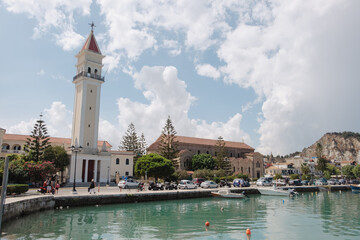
(167, 96)
(207, 70)
(303, 64)
(53, 14)
(57, 119)
(41, 72)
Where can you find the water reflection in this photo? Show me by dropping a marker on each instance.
(313, 216)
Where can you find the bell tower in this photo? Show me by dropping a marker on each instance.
(87, 82)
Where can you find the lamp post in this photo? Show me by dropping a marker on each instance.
(75, 150)
(108, 175)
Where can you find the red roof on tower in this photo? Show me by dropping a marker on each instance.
(91, 44)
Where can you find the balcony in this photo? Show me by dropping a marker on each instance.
(89, 75)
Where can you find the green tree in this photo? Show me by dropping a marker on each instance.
(155, 166)
(278, 176)
(168, 144)
(294, 176)
(142, 145)
(17, 173)
(356, 171)
(221, 162)
(347, 171)
(58, 156)
(305, 169)
(201, 161)
(181, 174)
(130, 141)
(332, 169)
(38, 141)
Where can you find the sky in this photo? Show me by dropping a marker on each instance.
(276, 75)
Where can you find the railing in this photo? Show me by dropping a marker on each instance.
(89, 75)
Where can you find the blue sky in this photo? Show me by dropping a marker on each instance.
(275, 74)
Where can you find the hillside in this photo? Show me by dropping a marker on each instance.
(340, 146)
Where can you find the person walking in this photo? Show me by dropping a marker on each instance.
(92, 186)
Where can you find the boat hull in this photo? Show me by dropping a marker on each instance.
(273, 192)
(227, 194)
(355, 188)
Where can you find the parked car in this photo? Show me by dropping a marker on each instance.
(198, 181)
(279, 182)
(263, 182)
(342, 181)
(129, 183)
(170, 186)
(295, 182)
(187, 184)
(321, 181)
(333, 181)
(156, 186)
(240, 182)
(224, 183)
(305, 182)
(209, 184)
(354, 181)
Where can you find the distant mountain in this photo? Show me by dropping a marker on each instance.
(339, 146)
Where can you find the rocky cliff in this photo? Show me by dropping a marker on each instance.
(339, 146)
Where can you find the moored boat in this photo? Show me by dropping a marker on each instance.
(225, 193)
(355, 188)
(277, 191)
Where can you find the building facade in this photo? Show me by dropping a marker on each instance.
(241, 157)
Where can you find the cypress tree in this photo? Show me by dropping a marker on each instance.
(130, 141)
(222, 163)
(168, 144)
(38, 141)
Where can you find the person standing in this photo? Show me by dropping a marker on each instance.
(48, 185)
(57, 186)
(92, 186)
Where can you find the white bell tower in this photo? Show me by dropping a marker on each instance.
(87, 82)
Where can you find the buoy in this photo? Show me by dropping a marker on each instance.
(207, 223)
(61, 207)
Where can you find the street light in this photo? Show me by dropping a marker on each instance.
(76, 150)
(108, 175)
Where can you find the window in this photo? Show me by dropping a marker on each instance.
(95, 71)
(242, 170)
(198, 151)
(127, 161)
(87, 144)
(89, 108)
(230, 154)
(89, 125)
(117, 161)
(249, 169)
(234, 169)
(257, 164)
(126, 173)
(215, 154)
(89, 70)
(207, 152)
(238, 155)
(90, 90)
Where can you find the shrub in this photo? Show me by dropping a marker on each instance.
(294, 176)
(16, 188)
(254, 179)
(244, 176)
(216, 179)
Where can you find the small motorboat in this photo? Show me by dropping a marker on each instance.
(226, 193)
(277, 191)
(355, 188)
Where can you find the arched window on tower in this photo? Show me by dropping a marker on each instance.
(257, 164)
(89, 70)
(127, 161)
(117, 161)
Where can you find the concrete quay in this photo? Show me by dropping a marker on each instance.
(32, 201)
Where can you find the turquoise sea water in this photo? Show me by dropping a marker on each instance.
(309, 216)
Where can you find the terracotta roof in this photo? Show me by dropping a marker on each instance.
(18, 137)
(202, 141)
(91, 44)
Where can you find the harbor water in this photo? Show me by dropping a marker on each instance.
(323, 215)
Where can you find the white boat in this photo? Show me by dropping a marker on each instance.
(225, 193)
(277, 191)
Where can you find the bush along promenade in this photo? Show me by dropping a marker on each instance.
(16, 188)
